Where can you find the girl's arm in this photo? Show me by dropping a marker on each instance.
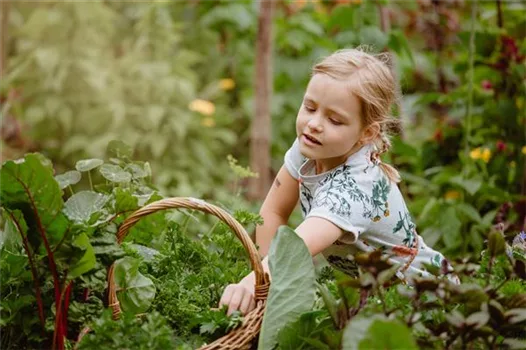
(317, 233)
(276, 209)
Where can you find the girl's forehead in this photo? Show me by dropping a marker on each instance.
(325, 90)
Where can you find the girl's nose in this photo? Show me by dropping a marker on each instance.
(315, 124)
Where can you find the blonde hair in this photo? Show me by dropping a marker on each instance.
(376, 89)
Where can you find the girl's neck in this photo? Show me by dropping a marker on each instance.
(324, 165)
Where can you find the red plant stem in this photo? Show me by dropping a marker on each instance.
(66, 308)
(60, 330)
(51, 258)
(33, 272)
(85, 296)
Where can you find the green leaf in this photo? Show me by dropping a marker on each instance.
(28, 184)
(88, 164)
(330, 302)
(82, 205)
(469, 211)
(399, 44)
(67, 179)
(496, 243)
(118, 149)
(450, 226)
(470, 185)
(138, 171)
(125, 200)
(134, 291)
(376, 332)
(114, 173)
(87, 262)
(292, 290)
(10, 235)
(373, 36)
(293, 336)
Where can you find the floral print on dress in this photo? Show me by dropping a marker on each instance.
(378, 200)
(437, 260)
(341, 190)
(406, 224)
(306, 199)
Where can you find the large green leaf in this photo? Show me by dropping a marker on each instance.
(87, 262)
(376, 332)
(82, 205)
(28, 185)
(134, 291)
(292, 290)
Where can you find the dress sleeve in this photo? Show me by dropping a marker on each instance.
(294, 159)
(341, 201)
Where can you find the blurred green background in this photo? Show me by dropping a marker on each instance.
(176, 81)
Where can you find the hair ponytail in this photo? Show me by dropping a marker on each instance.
(389, 171)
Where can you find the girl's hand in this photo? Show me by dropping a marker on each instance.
(238, 297)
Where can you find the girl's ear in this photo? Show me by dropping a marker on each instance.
(370, 133)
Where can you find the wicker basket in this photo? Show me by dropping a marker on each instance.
(241, 337)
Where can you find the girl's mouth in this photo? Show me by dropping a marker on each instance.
(311, 140)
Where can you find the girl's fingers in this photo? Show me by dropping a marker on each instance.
(237, 297)
(227, 296)
(245, 303)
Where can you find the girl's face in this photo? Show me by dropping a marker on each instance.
(329, 125)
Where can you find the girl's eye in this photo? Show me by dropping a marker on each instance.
(335, 122)
(309, 109)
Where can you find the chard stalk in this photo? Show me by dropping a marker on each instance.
(33, 271)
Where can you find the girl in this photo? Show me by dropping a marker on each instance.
(349, 198)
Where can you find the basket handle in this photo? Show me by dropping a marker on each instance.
(262, 278)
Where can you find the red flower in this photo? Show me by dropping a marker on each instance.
(486, 85)
(501, 146)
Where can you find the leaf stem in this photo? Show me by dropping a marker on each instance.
(60, 325)
(90, 181)
(33, 270)
(42, 231)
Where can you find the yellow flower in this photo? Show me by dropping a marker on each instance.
(209, 122)
(227, 84)
(523, 149)
(202, 106)
(486, 155)
(452, 194)
(475, 153)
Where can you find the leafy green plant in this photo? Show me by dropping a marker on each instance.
(55, 252)
(148, 332)
(374, 310)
